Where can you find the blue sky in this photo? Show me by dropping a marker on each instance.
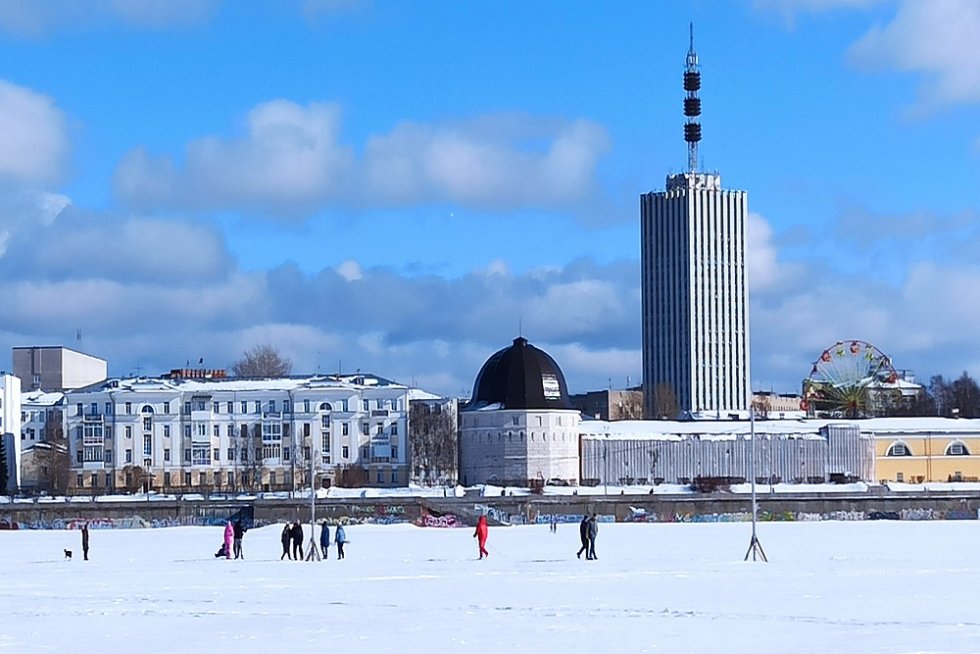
(402, 187)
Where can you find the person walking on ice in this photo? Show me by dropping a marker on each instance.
(593, 532)
(324, 539)
(481, 535)
(85, 541)
(297, 536)
(229, 538)
(239, 531)
(286, 538)
(583, 532)
(340, 537)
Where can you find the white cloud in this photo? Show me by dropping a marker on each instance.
(350, 270)
(290, 162)
(761, 256)
(24, 210)
(34, 143)
(939, 39)
(498, 162)
(35, 18)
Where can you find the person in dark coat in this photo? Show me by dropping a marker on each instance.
(324, 539)
(287, 535)
(297, 536)
(593, 532)
(583, 532)
(238, 531)
(85, 541)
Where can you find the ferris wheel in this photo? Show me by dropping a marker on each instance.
(846, 378)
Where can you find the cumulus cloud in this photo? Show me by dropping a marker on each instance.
(291, 162)
(497, 162)
(939, 39)
(36, 18)
(288, 161)
(34, 143)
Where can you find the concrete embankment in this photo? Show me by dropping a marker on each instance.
(462, 511)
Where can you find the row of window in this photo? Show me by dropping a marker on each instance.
(898, 448)
(219, 478)
(272, 406)
(205, 455)
(510, 437)
(474, 421)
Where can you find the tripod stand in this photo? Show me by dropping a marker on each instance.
(314, 552)
(755, 549)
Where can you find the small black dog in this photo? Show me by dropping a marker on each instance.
(68, 554)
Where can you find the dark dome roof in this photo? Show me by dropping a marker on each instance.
(520, 377)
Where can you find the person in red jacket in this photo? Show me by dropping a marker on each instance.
(481, 535)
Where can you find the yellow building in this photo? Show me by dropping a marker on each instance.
(917, 450)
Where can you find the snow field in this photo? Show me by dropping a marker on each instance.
(896, 587)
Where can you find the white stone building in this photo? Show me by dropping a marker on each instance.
(178, 434)
(519, 427)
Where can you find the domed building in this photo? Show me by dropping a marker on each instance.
(519, 427)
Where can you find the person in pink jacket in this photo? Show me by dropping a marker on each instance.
(229, 538)
(481, 535)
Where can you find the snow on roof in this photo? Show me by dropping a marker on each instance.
(41, 398)
(311, 382)
(727, 429)
(704, 429)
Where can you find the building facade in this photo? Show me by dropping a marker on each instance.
(57, 368)
(694, 287)
(932, 449)
(10, 426)
(654, 452)
(181, 435)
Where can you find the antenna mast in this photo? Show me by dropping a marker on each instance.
(692, 106)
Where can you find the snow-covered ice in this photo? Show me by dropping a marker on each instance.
(896, 587)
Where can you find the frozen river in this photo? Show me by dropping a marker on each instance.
(897, 587)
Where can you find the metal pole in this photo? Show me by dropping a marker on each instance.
(312, 493)
(755, 547)
(752, 468)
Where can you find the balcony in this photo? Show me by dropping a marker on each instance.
(380, 413)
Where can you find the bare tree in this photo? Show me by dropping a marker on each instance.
(262, 361)
(432, 441)
(665, 406)
(762, 404)
(134, 478)
(52, 458)
(629, 406)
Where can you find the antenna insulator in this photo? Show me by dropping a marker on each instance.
(692, 106)
(692, 81)
(692, 132)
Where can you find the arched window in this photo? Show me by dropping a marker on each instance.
(957, 448)
(147, 409)
(898, 448)
(325, 406)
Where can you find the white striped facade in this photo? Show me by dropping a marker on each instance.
(695, 295)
